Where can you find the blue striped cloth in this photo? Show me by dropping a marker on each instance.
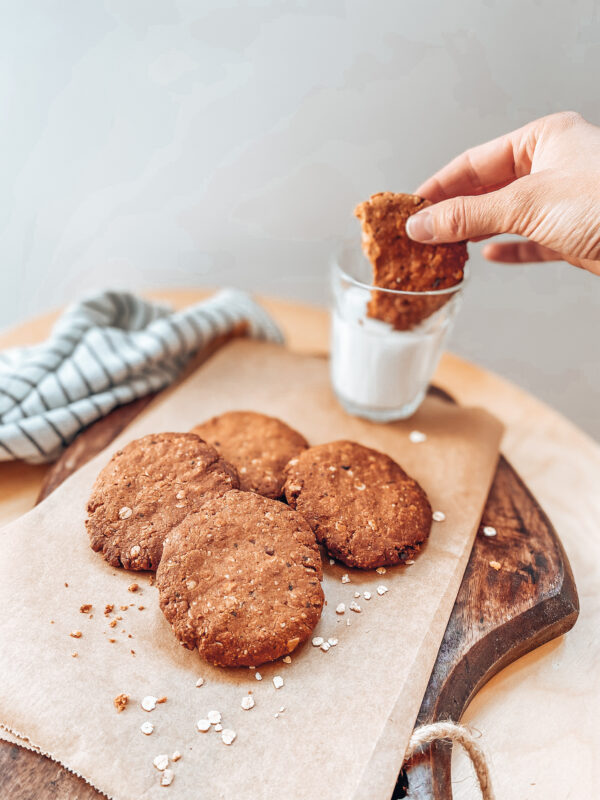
(104, 351)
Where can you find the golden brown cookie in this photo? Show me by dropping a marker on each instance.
(240, 580)
(402, 264)
(146, 489)
(360, 503)
(257, 445)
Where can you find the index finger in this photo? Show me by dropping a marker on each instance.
(484, 168)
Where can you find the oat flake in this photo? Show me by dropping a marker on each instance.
(218, 727)
(176, 756)
(340, 609)
(166, 779)
(258, 676)
(332, 641)
(382, 589)
(355, 607)
(247, 702)
(125, 512)
(416, 437)
(317, 641)
(325, 646)
(161, 762)
(488, 530)
(277, 681)
(147, 728)
(149, 703)
(200, 682)
(203, 725)
(438, 516)
(228, 736)
(214, 717)
(381, 570)
(345, 578)
(367, 595)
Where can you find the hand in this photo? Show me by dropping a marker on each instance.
(541, 181)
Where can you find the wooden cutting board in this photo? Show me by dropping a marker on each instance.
(497, 617)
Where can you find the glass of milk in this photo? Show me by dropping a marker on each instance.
(378, 372)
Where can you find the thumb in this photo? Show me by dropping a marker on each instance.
(467, 217)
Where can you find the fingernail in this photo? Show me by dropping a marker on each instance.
(420, 227)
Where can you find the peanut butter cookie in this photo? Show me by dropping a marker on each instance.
(402, 264)
(360, 503)
(146, 489)
(240, 580)
(257, 445)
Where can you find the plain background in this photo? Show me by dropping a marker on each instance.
(183, 142)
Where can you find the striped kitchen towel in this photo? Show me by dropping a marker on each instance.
(104, 351)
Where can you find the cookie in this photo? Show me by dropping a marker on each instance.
(240, 580)
(402, 264)
(146, 489)
(360, 503)
(258, 446)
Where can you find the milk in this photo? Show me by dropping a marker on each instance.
(378, 372)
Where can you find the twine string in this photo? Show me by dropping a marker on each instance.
(426, 734)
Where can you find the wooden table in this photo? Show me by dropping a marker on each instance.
(538, 717)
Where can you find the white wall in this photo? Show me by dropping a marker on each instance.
(185, 142)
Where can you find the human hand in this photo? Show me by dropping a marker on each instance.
(541, 181)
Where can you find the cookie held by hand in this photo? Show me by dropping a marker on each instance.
(146, 489)
(402, 264)
(257, 445)
(240, 580)
(360, 503)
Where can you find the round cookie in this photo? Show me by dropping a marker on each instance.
(257, 445)
(360, 503)
(240, 580)
(146, 489)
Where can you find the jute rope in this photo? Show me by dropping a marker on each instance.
(426, 734)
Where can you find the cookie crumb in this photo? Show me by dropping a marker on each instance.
(108, 608)
(331, 561)
(141, 608)
(74, 654)
(438, 516)
(489, 530)
(112, 623)
(228, 736)
(203, 725)
(214, 717)
(147, 728)
(85, 608)
(149, 702)
(76, 634)
(340, 608)
(133, 588)
(112, 641)
(345, 578)
(355, 607)
(277, 681)
(381, 590)
(287, 659)
(121, 701)
(247, 702)
(166, 779)
(381, 570)
(416, 437)
(161, 762)
(161, 700)
(409, 562)
(495, 565)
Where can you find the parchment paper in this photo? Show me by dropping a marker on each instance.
(348, 712)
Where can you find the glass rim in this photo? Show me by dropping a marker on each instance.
(335, 263)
